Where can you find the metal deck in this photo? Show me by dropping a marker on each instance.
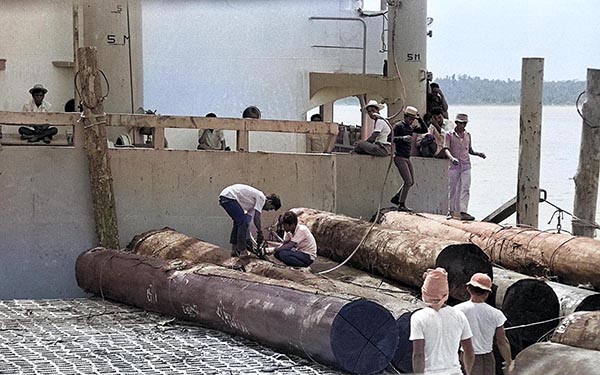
(92, 336)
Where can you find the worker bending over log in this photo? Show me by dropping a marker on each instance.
(244, 204)
(299, 248)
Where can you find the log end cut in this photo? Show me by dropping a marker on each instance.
(402, 360)
(530, 301)
(462, 261)
(372, 326)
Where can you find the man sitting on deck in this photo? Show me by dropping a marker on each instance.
(37, 104)
(378, 143)
(299, 248)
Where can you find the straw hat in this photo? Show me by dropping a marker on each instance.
(462, 117)
(411, 111)
(374, 103)
(38, 87)
(481, 281)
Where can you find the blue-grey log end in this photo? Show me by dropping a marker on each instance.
(364, 337)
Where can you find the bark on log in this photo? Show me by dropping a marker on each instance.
(581, 329)
(169, 244)
(399, 255)
(549, 358)
(328, 329)
(530, 251)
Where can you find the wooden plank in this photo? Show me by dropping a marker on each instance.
(38, 118)
(176, 122)
(503, 212)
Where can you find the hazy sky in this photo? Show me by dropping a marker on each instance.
(489, 38)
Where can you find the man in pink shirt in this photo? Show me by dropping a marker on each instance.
(458, 149)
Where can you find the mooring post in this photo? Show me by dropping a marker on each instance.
(94, 120)
(586, 178)
(530, 134)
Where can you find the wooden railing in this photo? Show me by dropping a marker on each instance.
(160, 122)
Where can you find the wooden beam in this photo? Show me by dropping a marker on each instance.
(94, 120)
(38, 118)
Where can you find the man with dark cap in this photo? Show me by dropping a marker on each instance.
(37, 104)
(244, 204)
(438, 331)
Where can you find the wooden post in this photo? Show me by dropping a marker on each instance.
(94, 134)
(586, 178)
(242, 139)
(528, 179)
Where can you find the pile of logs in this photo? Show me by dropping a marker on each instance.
(349, 319)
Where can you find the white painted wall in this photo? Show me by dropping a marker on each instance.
(222, 56)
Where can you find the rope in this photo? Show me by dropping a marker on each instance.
(585, 120)
(102, 98)
(387, 173)
(534, 323)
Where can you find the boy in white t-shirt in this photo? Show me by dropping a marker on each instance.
(299, 248)
(438, 331)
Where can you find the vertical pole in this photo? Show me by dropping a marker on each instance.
(96, 147)
(530, 131)
(586, 178)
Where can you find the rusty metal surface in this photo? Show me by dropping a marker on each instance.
(92, 336)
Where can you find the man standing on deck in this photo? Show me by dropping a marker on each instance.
(458, 148)
(403, 140)
(37, 104)
(485, 322)
(438, 331)
(243, 204)
(377, 144)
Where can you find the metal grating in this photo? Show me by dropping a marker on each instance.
(92, 336)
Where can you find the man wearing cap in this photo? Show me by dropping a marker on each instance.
(378, 143)
(458, 149)
(486, 323)
(438, 331)
(244, 203)
(37, 104)
(403, 134)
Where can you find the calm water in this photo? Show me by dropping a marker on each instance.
(495, 131)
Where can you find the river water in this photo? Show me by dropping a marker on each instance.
(495, 131)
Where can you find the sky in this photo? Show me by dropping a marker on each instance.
(489, 38)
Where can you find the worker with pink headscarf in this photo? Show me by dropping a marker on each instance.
(438, 331)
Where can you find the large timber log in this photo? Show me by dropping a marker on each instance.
(549, 358)
(570, 298)
(527, 250)
(357, 336)
(581, 329)
(169, 244)
(399, 255)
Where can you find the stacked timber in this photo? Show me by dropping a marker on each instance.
(357, 336)
(527, 250)
(399, 255)
(347, 283)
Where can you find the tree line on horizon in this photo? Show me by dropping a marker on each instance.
(464, 89)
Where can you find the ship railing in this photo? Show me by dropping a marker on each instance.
(70, 126)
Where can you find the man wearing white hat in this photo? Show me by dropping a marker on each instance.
(458, 149)
(378, 143)
(486, 322)
(37, 104)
